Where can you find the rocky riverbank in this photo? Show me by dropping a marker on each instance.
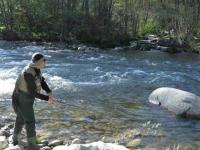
(147, 43)
(173, 45)
(6, 133)
(132, 139)
(129, 139)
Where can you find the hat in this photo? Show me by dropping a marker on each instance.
(36, 57)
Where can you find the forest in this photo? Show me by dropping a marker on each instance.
(105, 23)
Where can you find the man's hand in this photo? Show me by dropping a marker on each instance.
(51, 100)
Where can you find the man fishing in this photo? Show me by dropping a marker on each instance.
(28, 86)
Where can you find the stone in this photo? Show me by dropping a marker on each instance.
(10, 126)
(60, 147)
(45, 148)
(45, 142)
(133, 143)
(96, 146)
(76, 141)
(14, 148)
(3, 142)
(56, 143)
(5, 133)
(108, 139)
(41, 145)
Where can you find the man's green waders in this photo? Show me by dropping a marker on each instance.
(25, 116)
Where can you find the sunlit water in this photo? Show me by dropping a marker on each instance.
(106, 92)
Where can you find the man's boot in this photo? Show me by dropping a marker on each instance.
(32, 144)
(15, 139)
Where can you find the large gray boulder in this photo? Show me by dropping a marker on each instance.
(180, 102)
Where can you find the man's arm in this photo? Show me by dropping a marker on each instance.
(45, 86)
(30, 80)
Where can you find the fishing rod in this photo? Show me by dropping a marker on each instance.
(58, 101)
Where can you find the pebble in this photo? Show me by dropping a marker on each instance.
(56, 143)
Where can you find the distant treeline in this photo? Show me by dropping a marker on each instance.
(102, 22)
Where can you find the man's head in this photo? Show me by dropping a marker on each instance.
(38, 60)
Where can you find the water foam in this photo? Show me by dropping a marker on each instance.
(23, 62)
(34, 48)
(6, 86)
(7, 81)
(111, 77)
(58, 82)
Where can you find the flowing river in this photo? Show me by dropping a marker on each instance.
(105, 93)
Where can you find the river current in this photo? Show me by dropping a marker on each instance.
(105, 91)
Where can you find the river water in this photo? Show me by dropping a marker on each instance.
(106, 93)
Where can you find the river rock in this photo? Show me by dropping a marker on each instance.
(3, 142)
(145, 45)
(76, 141)
(96, 146)
(45, 148)
(108, 139)
(152, 38)
(14, 148)
(45, 142)
(134, 143)
(180, 102)
(60, 147)
(5, 133)
(163, 48)
(56, 143)
(82, 47)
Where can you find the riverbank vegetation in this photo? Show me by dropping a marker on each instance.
(105, 23)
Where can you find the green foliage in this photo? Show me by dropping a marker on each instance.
(102, 22)
(2, 28)
(149, 27)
